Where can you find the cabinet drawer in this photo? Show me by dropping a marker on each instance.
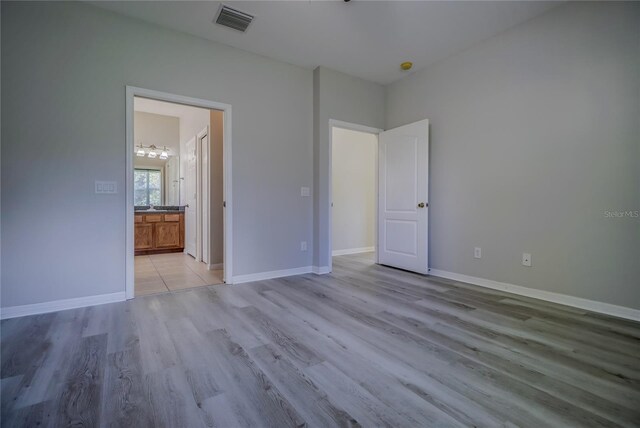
(138, 219)
(153, 218)
(172, 217)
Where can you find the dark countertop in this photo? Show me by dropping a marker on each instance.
(159, 212)
(159, 209)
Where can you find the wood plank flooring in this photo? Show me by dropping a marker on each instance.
(364, 346)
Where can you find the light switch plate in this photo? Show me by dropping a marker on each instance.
(526, 259)
(304, 191)
(106, 187)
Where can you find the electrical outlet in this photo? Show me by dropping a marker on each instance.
(477, 253)
(526, 259)
(303, 245)
(304, 191)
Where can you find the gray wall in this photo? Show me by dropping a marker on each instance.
(342, 97)
(64, 71)
(534, 137)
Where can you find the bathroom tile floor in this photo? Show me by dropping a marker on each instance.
(159, 273)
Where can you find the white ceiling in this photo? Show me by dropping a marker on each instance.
(368, 39)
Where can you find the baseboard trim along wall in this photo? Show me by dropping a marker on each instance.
(321, 270)
(60, 305)
(215, 266)
(271, 274)
(549, 296)
(352, 251)
(563, 299)
(80, 302)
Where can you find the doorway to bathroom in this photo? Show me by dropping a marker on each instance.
(176, 193)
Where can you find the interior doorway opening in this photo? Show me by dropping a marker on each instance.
(353, 192)
(178, 192)
(401, 195)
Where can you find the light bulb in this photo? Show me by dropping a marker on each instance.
(164, 155)
(152, 154)
(140, 152)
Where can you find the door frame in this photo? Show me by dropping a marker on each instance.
(203, 181)
(133, 91)
(333, 123)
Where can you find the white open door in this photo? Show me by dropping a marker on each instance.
(202, 238)
(190, 184)
(402, 204)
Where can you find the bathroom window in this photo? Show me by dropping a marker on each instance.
(147, 188)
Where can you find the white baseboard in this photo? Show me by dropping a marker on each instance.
(353, 251)
(272, 274)
(321, 270)
(549, 296)
(60, 305)
(215, 266)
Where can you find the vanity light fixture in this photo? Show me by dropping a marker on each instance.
(152, 152)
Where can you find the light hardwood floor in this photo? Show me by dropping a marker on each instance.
(366, 345)
(160, 273)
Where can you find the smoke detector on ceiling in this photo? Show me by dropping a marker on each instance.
(406, 66)
(233, 18)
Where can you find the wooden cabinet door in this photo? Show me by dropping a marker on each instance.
(167, 235)
(143, 236)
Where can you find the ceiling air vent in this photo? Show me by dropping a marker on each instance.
(233, 18)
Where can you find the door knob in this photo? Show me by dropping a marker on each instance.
(421, 205)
